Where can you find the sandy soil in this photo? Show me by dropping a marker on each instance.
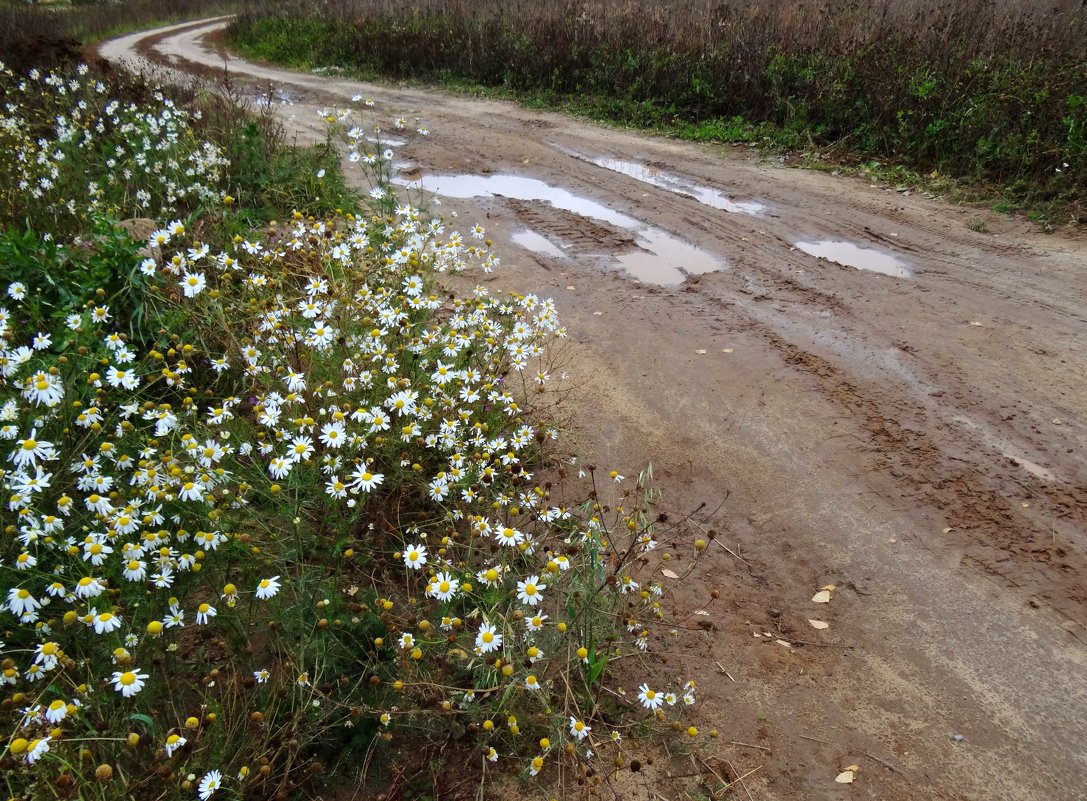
(917, 441)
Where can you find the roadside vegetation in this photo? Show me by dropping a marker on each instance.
(44, 34)
(281, 509)
(993, 95)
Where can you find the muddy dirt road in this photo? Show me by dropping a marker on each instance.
(910, 428)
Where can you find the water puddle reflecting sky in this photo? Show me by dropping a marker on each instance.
(662, 259)
(670, 182)
(850, 255)
(537, 243)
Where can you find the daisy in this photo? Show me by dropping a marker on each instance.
(205, 612)
(444, 587)
(57, 711)
(33, 450)
(333, 435)
(649, 698)
(530, 590)
(579, 729)
(37, 749)
(105, 622)
(129, 682)
(365, 480)
(488, 639)
(174, 742)
(509, 536)
(268, 587)
(192, 284)
(262, 675)
(532, 683)
(415, 556)
(211, 782)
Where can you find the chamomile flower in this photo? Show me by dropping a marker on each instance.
(443, 587)
(530, 591)
(649, 698)
(267, 588)
(129, 682)
(488, 639)
(173, 743)
(211, 782)
(578, 729)
(415, 556)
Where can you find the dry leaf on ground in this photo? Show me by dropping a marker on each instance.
(847, 775)
(821, 597)
(669, 573)
(819, 624)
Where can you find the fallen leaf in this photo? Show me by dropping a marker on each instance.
(854, 768)
(729, 350)
(598, 314)
(819, 624)
(947, 530)
(976, 323)
(571, 286)
(845, 777)
(782, 642)
(669, 573)
(352, 590)
(821, 597)
(700, 351)
(829, 588)
(702, 612)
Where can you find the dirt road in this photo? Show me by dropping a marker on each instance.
(912, 432)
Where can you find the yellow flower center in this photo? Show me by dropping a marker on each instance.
(128, 678)
(29, 444)
(488, 637)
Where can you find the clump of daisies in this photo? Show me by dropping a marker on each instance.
(311, 503)
(70, 150)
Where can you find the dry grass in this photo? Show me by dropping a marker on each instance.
(994, 92)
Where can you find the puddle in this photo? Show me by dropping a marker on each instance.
(277, 97)
(530, 240)
(1033, 468)
(671, 183)
(386, 141)
(849, 255)
(1006, 449)
(664, 259)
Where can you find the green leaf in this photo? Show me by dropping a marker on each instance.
(144, 719)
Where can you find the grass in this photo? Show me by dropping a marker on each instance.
(991, 95)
